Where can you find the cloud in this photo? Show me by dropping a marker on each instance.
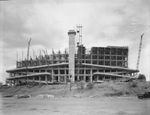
(105, 22)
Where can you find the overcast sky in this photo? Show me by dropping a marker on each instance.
(105, 22)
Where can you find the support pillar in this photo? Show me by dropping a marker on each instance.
(33, 79)
(65, 76)
(10, 82)
(103, 78)
(52, 76)
(84, 75)
(91, 75)
(14, 82)
(39, 79)
(46, 79)
(58, 74)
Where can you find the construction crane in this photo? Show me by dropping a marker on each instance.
(79, 30)
(28, 50)
(139, 53)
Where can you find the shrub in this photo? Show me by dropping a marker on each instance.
(32, 84)
(141, 77)
(80, 85)
(133, 84)
(90, 85)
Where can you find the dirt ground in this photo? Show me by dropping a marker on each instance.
(80, 89)
(75, 106)
(108, 98)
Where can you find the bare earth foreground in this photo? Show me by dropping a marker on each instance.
(75, 106)
(108, 98)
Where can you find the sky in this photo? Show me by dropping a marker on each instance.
(105, 23)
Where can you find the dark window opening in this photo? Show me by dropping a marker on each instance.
(113, 63)
(94, 57)
(107, 57)
(107, 70)
(119, 58)
(101, 50)
(107, 62)
(94, 70)
(107, 51)
(101, 57)
(42, 70)
(88, 61)
(119, 63)
(101, 62)
(66, 71)
(113, 57)
(113, 51)
(62, 72)
(55, 71)
(87, 71)
(119, 52)
(94, 62)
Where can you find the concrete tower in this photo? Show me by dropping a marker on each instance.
(72, 34)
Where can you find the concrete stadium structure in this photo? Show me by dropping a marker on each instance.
(101, 63)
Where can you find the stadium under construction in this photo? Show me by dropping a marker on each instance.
(99, 64)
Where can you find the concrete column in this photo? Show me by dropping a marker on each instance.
(39, 79)
(91, 75)
(15, 82)
(10, 74)
(10, 82)
(104, 78)
(72, 34)
(33, 79)
(84, 74)
(65, 75)
(111, 78)
(52, 75)
(78, 77)
(46, 79)
(58, 74)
